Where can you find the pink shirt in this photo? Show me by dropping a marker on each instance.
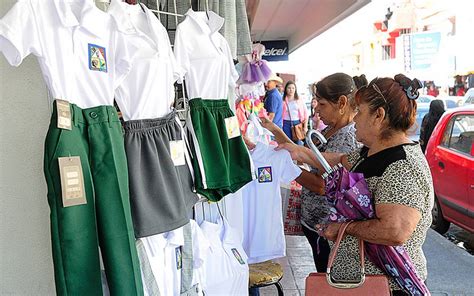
(302, 111)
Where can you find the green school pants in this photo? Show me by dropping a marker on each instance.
(105, 221)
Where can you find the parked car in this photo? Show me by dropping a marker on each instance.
(450, 155)
(469, 97)
(414, 131)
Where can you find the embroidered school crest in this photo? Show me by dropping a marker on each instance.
(265, 174)
(97, 58)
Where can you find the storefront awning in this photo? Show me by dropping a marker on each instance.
(297, 21)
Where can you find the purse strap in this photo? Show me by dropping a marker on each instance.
(332, 256)
(289, 112)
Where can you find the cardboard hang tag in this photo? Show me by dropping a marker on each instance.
(177, 152)
(72, 181)
(64, 114)
(232, 127)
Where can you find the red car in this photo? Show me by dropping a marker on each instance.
(450, 155)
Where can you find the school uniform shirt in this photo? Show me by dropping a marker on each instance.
(264, 238)
(163, 251)
(148, 90)
(82, 55)
(227, 271)
(204, 56)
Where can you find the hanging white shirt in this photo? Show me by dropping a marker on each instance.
(227, 270)
(204, 56)
(82, 55)
(264, 238)
(148, 90)
(163, 251)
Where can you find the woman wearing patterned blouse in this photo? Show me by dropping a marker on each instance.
(396, 172)
(336, 107)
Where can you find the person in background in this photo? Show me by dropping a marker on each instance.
(397, 175)
(281, 88)
(360, 81)
(273, 101)
(429, 122)
(432, 90)
(315, 122)
(294, 110)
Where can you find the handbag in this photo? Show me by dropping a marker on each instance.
(297, 130)
(322, 284)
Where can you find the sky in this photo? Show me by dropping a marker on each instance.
(320, 57)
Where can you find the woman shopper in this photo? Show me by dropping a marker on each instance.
(429, 122)
(294, 111)
(336, 107)
(315, 122)
(397, 176)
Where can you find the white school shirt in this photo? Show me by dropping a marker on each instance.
(161, 250)
(204, 56)
(227, 271)
(148, 90)
(264, 237)
(82, 56)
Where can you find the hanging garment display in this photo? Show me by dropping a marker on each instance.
(172, 263)
(83, 59)
(158, 161)
(221, 161)
(227, 271)
(254, 68)
(235, 30)
(148, 90)
(263, 222)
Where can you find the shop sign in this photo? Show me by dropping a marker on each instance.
(275, 50)
(424, 47)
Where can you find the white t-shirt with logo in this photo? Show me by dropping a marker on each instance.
(227, 271)
(264, 238)
(82, 55)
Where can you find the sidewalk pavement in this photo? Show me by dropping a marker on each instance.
(450, 269)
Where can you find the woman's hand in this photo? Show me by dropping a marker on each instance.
(250, 145)
(329, 231)
(297, 152)
(268, 124)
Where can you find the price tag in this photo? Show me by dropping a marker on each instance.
(72, 181)
(232, 126)
(177, 152)
(64, 114)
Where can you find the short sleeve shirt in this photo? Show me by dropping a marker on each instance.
(397, 175)
(148, 90)
(262, 205)
(82, 56)
(274, 104)
(204, 56)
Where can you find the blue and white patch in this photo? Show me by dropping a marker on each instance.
(264, 174)
(97, 58)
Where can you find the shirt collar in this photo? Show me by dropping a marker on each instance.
(90, 16)
(174, 238)
(214, 23)
(118, 12)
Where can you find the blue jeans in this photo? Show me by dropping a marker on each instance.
(287, 129)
